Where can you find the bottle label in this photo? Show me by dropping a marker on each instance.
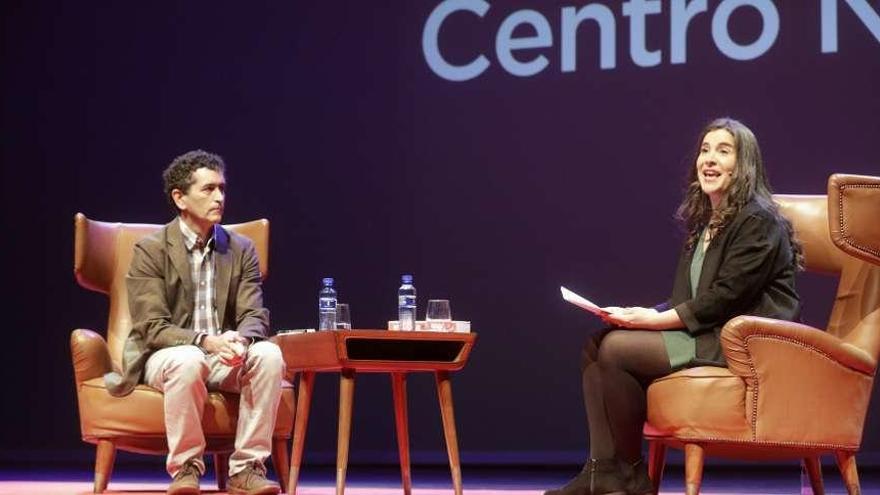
(406, 301)
(326, 303)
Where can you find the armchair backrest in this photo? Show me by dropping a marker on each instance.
(102, 255)
(840, 234)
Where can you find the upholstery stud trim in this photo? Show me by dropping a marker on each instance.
(810, 445)
(841, 220)
(789, 340)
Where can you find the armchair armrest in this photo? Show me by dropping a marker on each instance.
(737, 332)
(91, 357)
(797, 376)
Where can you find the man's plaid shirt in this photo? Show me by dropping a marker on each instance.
(201, 262)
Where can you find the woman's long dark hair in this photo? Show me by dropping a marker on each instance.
(749, 183)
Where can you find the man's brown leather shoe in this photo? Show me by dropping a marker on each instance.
(252, 481)
(186, 481)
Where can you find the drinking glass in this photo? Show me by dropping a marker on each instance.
(438, 314)
(343, 316)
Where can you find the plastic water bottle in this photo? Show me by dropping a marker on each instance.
(327, 305)
(406, 304)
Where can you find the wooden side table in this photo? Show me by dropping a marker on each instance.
(349, 352)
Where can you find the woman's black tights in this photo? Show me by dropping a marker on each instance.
(618, 366)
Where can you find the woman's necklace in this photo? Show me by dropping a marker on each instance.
(707, 238)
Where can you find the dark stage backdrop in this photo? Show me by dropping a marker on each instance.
(493, 149)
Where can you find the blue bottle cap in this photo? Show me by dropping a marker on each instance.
(407, 279)
(327, 281)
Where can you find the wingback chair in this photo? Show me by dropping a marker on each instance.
(135, 423)
(790, 390)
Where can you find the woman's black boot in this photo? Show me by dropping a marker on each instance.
(599, 477)
(636, 476)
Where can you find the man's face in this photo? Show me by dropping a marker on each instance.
(203, 202)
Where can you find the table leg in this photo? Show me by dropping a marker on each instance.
(346, 397)
(398, 387)
(444, 392)
(300, 422)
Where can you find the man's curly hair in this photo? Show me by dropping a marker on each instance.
(179, 175)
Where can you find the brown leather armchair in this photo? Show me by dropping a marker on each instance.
(135, 423)
(790, 390)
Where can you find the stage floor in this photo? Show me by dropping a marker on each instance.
(384, 480)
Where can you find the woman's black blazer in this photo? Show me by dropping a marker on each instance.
(749, 269)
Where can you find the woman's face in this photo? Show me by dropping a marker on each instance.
(716, 164)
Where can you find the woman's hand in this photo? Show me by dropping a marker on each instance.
(642, 318)
(633, 317)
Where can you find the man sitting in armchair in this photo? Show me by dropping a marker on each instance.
(198, 324)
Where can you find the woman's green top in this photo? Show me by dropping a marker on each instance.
(680, 346)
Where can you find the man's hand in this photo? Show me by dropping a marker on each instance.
(230, 346)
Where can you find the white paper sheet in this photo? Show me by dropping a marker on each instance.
(581, 302)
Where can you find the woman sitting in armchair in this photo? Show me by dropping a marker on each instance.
(740, 258)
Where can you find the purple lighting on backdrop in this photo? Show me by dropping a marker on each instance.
(493, 191)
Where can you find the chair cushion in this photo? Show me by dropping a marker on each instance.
(141, 413)
(719, 414)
